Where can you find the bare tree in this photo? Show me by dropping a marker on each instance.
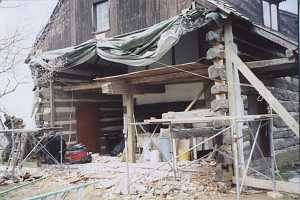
(10, 54)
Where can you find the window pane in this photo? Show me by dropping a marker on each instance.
(266, 13)
(102, 16)
(274, 17)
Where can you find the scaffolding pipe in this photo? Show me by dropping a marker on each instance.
(195, 146)
(250, 156)
(173, 146)
(272, 151)
(236, 161)
(127, 165)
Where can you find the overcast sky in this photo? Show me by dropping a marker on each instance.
(30, 16)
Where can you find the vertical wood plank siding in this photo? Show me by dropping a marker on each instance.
(73, 23)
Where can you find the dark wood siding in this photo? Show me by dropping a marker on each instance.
(73, 21)
(288, 24)
(251, 9)
(83, 18)
(57, 33)
(130, 15)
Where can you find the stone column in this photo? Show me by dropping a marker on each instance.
(219, 104)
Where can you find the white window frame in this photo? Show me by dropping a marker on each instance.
(270, 15)
(95, 16)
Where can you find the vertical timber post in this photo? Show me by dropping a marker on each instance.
(131, 140)
(236, 107)
(272, 151)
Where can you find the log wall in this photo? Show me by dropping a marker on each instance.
(66, 104)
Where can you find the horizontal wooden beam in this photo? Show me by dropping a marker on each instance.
(193, 132)
(71, 80)
(281, 186)
(165, 78)
(116, 87)
(82, 73)
(273, 68)
(84, 86)
(30, 131)
(271, 63)
(274, 37)
(121, 87)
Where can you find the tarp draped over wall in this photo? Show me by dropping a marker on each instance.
(140, 48)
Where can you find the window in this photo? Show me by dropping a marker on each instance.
(274, 18)
(101, 16)
(289, 6)
(266, 13)
(270, 14)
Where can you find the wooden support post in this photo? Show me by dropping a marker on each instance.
(195, 149)
(236, 107)
(265, 93)
(52, 106)
(131, 139)
(235, 104)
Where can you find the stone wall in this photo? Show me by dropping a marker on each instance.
(286, 91)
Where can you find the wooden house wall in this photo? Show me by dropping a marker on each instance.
(129, 15)
(66, 104)
(83, 20)
(73, 25)
(73, 22)
(57, 34)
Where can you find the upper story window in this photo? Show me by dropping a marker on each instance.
(289, 6)
(101, 15)
(270, 14)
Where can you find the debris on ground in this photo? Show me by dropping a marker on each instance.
(275, 195)
(194, 180)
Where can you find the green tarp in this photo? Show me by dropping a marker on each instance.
(140, 48)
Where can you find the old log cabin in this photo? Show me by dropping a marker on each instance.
(100, 65)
